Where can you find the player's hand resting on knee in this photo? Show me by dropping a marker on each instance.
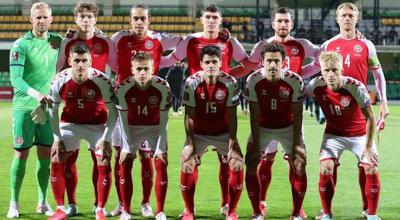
(58, 152)
(105, 150)
(235, 159)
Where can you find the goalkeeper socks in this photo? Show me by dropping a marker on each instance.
(58, 182)
(253, 190)
(147, 178)
(161, 184)
(17, 173)
(265, 174)
(71, 177)
(235, 189)
(224, 180)
(103, 184)
(299, 188)
(95, 177)
(117, 172)
(188, 186)
(326, 192)
(42, 175)
(372, 190)
(125, 184)
(362, 181)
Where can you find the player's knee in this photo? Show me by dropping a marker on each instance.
(370, 170)
(236, 164)
(268, 156)
(189, 166)
(144, 154)
(327, 167)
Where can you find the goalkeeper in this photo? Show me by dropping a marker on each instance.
(33, 60)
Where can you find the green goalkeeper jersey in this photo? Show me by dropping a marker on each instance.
(32, 65)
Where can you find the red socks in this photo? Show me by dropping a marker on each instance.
(57, 179)
(103, 184)
(253, 190)
(299, 188)
(147, 178)
(117, 172)
(235, 189)
(161, 184)
(95, 176)
(71, 177)
(188, 186)
(326, 192)
(265, 174)
(224, 180)
(362, 181)
(126, 184)
(372, 192)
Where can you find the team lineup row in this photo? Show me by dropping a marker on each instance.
(275, 92)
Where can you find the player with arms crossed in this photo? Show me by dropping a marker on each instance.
(33, 59)
(210, 99)
(359, 55)
(349, 126)
(276, 106)
(143, 103)
(89, 113)
(128, 43)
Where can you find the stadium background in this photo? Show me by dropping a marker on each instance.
(249, 21)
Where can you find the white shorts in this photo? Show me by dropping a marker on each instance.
(71, 135)
(144, 138)
(333, 146)
(116, 138)
(219, 142)
(269, 139)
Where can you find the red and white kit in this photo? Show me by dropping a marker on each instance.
(346, 125)
(275, 102)
(211, 103)
(102, 51)
(85, 112)
(190, 48)
(154, 44)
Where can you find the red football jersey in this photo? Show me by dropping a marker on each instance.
(154, 44)
(102, 51)
(358, 56)
(84, 103)
(211, 102)
(190, 48)
(144, 106)
(297, 49)
(342, 108)
(275, 100)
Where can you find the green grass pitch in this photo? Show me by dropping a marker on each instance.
(347, 200)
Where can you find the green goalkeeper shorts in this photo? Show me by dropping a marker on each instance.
(26, 133)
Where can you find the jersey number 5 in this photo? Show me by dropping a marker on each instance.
(80, 103)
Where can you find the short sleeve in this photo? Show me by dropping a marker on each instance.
(189, 93)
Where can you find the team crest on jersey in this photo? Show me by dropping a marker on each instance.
(220, 95)
(153, 100)
(97, 48)
(294, 51)
(357, 48)
(14, 56)
(149, 44)
(221, 46)
(345, 101)
(283, 92)
(19, 140)
(90, 94)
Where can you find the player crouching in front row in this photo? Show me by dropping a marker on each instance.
(89, 113)
(143, 101)
(349, 126)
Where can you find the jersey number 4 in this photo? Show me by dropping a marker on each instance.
(347, 60)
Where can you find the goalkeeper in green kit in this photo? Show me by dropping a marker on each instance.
(33, 60)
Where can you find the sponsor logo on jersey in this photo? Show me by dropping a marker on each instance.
(153, 100)
(294, 51)
(97, 48)
(149, 44)
(220, 95)
(263, 92)
(90, 94)
(129, 45)
(133, 100)
(357, 48)
(70, 94)
(324, 98)
(337, 49)
(345, 101)
(202, 95)
(283, 92)
(14, 56)
(19, 140)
